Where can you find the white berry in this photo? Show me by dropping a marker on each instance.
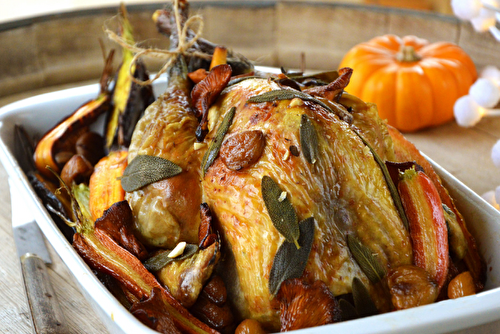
(495, 154)
(466, 9)
(467, 112)
(497, 195)
(490, 72)
(484, 21)
(485, 92)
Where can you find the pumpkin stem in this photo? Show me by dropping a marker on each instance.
(407, 54)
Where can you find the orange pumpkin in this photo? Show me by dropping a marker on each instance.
(413, 83)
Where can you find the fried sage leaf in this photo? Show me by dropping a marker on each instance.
(236, 81)
(366, 260)
(240, 79)
(160, 260)
(280, 210)
(362, 301)
(390, 184)
(308, 139)
(290, 261)
(347, 310)
(216, 143)
(147, 169)
(286, 94)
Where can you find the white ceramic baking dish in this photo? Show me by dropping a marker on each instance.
(40, 113)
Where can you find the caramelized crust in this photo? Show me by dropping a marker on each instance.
(344, 190)
(167, 211)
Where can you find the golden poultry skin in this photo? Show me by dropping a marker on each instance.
(344, 190)
(168, 211)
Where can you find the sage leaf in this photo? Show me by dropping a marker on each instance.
(240, 79)
(290, 261)
(286, 94)
(347, 310)
(366, 260)
(216, 143)
(388, 180)
(280, 210)
(323, 78)
(362, 301)
(308, 139)
(147, 169)
(289, 94)
(160, 260)
(237, 81)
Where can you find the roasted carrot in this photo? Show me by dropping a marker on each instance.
(105, 187)
(64, 135)
(406, 151)
(219, 57)
(428, 231)
(102, 253)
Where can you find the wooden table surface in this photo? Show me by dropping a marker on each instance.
(463, 152)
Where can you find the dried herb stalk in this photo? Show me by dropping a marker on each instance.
(286, 94)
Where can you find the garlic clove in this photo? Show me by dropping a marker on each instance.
(178, 250)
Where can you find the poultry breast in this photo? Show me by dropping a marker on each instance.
(344, 190)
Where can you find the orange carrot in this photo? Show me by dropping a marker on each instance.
(428, 231)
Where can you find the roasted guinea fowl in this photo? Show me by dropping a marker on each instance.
(343, 189)
(279, 199)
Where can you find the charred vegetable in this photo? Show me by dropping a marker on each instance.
(130, 99)
(62, 139)
(101, 252)
(105, 186)
(280, 199)
(406, 151)
(428, 231)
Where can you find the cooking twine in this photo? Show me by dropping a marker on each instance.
(170, 56)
